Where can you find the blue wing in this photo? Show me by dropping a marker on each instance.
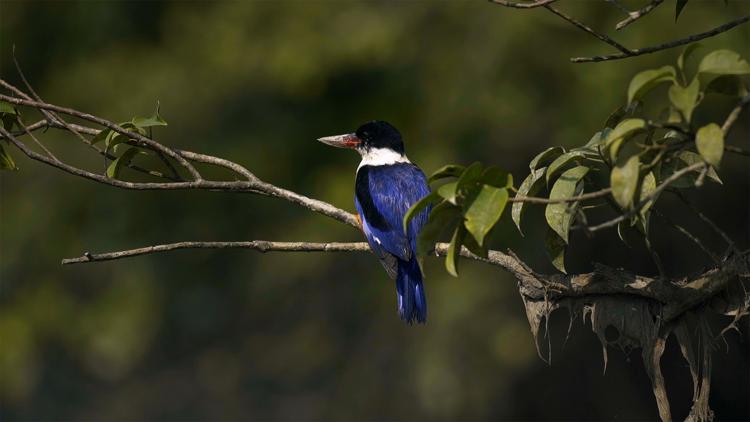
(383, 195)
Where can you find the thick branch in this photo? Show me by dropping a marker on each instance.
(676, 43)
(677, 296)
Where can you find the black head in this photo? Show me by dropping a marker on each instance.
(380, 134)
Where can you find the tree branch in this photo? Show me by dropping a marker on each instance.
(521, 5)
(676, 43)
(585, 28)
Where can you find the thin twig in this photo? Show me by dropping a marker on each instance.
(656, 192)
(521, 5)
(634, 16)
(715, 227)
(585, 28)
(676, 43)
(734, 114)
(102, 122)
(737, 150)
(689, 235)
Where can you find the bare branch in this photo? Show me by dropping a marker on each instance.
(533, 286)
(585, 28)
(676, 43)
(252, 186)
(634, 16)
(521, 5)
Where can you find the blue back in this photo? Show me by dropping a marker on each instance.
(383, 194)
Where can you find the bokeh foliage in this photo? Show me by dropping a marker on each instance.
(238, 335)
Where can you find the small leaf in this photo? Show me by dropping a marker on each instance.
(721, 62)
(685, 99)
(681, 160)
(686, 53)
(114, 168)
(555, 247)
(494, 176)
(454, 251)
(648, 186)
(678, 8)
(451, 170)
(560, 215)
(624, 181)
(530, 186)
(442, 217)
(103, 134)
(153, 120)
(545, 156)
(710, 143)
(624, 130)
(484, 211)
(6, 162)
(448, 192)
(420, 205)
(644, 81)
(562, 161)
(7, 108)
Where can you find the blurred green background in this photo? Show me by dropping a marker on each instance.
(196, 335)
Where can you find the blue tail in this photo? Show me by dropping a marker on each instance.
(412, 303)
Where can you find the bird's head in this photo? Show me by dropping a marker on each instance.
(372, 138)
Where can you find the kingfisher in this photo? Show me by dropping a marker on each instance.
(387, 184)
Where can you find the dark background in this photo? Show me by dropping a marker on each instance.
(196, 335)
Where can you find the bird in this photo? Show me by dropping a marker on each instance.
(386, 185)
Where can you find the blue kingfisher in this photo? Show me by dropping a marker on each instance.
(386, 186)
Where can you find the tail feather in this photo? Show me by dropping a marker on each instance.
(412, 302)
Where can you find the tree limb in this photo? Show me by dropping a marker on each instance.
(671, 44)
(521, 5)
(634, 16)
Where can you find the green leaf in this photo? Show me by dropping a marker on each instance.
(622, 132)
(678, 8)
(710, 143)
(648, 186)
(685, 99)
(104, 134)
(153, 120)
(7, 108)
(560, 215)
(451, 170)
(681, 160)
(530, 186)
(624, 181)
(484, 211)
(644, 81)
(686, 53)
(555, 247)
(448, 192)
(454, 251)
(562, 161)
(469, 176)
(420, 205)
(545, 156)
(494, 176)
(114, 168)
(442, 217)
(721, 62)
(6, 162)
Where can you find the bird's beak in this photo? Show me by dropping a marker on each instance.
(349, 140)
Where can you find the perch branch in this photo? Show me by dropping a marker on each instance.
(521, 5)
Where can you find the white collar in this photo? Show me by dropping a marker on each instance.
(381, 157)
